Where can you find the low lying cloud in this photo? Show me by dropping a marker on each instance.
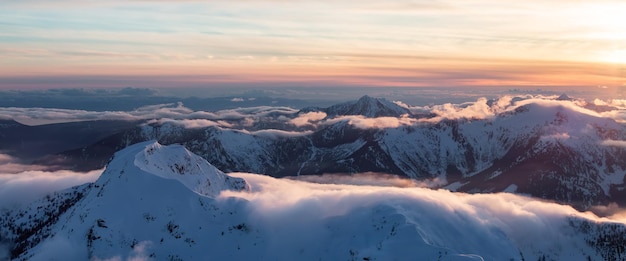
(308, 119)
(489, 109)
(617, 103)
(555, 137)
(617, 115)
(614, 143)
(187, 124)
(573, 105)
(6, 158)
(38, 116)
(444, 219)
(477, 110)
(368, 179)
(363, 122)
(285, 118)
(378, 216)
(171, 111)
(611, 211)
(20, 188)
(273, 133)
(482, 109)
(13, 165)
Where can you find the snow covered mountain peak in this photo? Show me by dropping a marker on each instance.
(174, 162)
(149, 195)
(564, 97)
(369, 107)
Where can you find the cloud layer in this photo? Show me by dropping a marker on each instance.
(277, 122)
(165, 112)
(481, 109)
(308, 119)
(445, 219)
(17, 189)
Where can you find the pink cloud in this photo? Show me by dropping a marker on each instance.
(308, 118)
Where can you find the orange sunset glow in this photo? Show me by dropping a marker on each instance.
(322, 43)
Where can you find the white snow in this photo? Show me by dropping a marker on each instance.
(163, 202)
(176, 162)
(141, 207)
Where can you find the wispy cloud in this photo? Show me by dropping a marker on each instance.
(189, 124)
(614, 143)
(362, 122)
(368, 179)
(479, 42)
(308, 119)
(273, 133)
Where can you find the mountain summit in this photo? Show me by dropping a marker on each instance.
(146, 192)
(365, 106)
(148, 159)
(176, 162)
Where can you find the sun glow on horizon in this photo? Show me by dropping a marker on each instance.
(617, 57)
(450, 43)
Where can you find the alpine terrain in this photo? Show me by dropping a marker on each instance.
(556, 148)
(156, 202)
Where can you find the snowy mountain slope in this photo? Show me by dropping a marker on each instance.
(365, 106)
(142, 207)
(563, 158)
(161, 188)
(176, 162)
(545, 147)
(27, 227)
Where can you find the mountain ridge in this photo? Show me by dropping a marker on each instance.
(144, 210)
(488, 146)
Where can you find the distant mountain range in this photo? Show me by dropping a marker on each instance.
(550, 148)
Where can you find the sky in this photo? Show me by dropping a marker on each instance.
(304, 43)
